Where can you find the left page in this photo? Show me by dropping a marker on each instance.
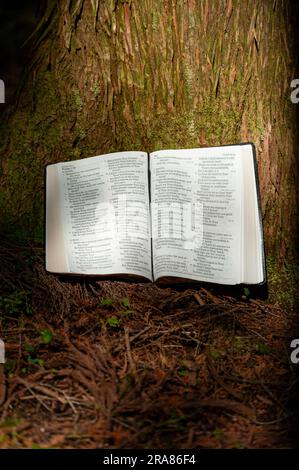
(105, 214)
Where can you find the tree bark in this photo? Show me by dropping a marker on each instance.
(118, 75)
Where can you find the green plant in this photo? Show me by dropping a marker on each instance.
(125, 302)
(10, 366)
(32, 357)
(36, 361)
(218, 433)
(10, 423)
(46, 336)
(113, 321)
(246, 292)
(127, 311)
(28, 348)
(16, 303)
(263, 348)
(183, 372)
(106, 301)
(215, 355)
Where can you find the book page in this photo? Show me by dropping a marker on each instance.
(253, 272)
(55, 253)
(196, 214)
(105, 212)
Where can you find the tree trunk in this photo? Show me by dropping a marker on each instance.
(118, 75)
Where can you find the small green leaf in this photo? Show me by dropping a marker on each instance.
(36, 361)
(183, 372)
(35, 446)
(246, 291)
(46, 336)
(215, 355)
(10, 365)
(10, 423)
(218, 433)
(113, 321)
(28, 347)
(125, 302)
(263, 348)
(106, 301)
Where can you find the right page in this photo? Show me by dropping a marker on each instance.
(197, 214)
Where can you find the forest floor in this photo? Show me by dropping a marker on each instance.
(122, 365)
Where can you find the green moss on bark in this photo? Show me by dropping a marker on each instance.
(283, 281)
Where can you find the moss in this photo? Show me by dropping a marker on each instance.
(209, 125)
(32, 142)
(155, 21)
(283, 283)
(96, 90)
(77, 100)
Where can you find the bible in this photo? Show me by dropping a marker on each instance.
(171, 215)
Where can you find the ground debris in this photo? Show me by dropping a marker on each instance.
(118, 364)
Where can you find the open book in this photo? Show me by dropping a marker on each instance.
(190, 214)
